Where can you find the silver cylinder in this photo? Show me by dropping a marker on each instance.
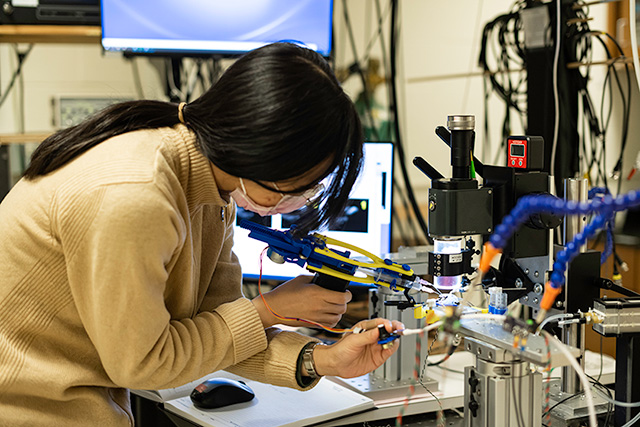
(461, 122)
(572, 335)
(575, 189)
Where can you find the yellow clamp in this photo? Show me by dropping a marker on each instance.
(421, 311)
(376, 262)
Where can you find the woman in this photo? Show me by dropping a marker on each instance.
(116, 250)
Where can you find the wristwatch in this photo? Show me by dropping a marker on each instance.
(307, 360)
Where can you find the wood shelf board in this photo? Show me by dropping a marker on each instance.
(50, 34)
(23, 138)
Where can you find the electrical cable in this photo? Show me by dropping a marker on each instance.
(379, 34)
(452, 350)
(583, 378)
(613, 403)
(623, 404)
(556, 96)
(407, 210)
(517, 408)
(363, 78)
(547, 388)
(137, 81)
(555, 317)
(465, 96)
(398, 140)
(410, 216)
(280, 317)
(174, 91)
(547, 411)
(440, 418)
(509, 56)
(411, 391)
(634, 38)
(21, 60)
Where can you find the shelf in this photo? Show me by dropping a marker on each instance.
(49, 34)
(23, 138)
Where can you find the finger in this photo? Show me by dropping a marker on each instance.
(373, 324)
(397, 325)
(335, 297)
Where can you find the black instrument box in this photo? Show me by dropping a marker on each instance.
(50, 12)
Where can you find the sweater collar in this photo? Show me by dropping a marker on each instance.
(198, 179)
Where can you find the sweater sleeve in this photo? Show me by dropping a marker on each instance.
(278, 363)
(119, 240)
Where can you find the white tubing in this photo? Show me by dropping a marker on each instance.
(554, 317)
(583, 378)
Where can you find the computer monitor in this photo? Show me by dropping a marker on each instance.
(366, 222)
(202, 27)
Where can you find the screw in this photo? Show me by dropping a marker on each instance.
(535, 300)
(536, 274)
(525, 298)
(7, 8)
(538, 289)
(559, 304)
(518, 283)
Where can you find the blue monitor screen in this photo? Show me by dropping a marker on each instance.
(214, 26)
(365, 223)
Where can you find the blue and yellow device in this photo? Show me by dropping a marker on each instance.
(333, 268)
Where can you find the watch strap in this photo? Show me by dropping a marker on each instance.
(308, 362)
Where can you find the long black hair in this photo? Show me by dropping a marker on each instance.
(274, 114)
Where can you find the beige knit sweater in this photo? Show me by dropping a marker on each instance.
(116, 273)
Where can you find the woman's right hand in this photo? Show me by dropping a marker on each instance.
(356, 354)
(299, 298)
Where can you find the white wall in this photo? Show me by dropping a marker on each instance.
(439, 41)
(52, 70)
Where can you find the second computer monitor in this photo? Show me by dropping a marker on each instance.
(365, 222)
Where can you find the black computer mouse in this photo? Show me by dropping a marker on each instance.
(219, 392)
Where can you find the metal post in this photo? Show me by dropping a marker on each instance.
(575, 189)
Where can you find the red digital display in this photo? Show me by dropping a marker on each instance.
(517, 153)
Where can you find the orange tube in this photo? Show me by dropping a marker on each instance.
(488, 253)
(549, 297)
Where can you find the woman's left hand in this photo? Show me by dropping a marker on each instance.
(356, 354)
